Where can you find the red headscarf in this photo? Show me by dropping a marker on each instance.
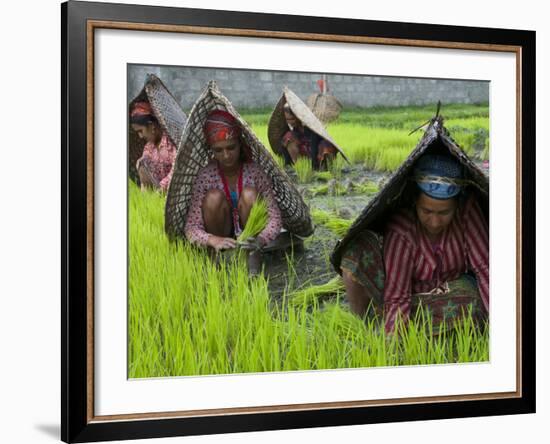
(141, 109)
(221, 125)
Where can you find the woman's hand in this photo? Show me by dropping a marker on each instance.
(221, 243)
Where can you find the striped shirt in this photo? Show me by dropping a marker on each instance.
(414, 265)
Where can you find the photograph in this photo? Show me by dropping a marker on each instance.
(283, 221)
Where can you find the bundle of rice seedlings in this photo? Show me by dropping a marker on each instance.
(338, 225)
(329, 220)
(320, 216)
(332, 188)
(335, 188)
(309, 295)
(366, 188)
(303, 169)
(321, 190)
(257, 220)
(323, 176)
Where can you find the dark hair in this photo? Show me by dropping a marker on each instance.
(143, 119)
(244, 155)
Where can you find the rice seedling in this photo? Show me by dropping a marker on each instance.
(391, 158)
(333, 188)
(323, 176)
(320, 216)
(363, 144)
(303, 169)
(367, 187)
(336, 224)
(321, 190)
(408, 117)
(312, 293)
(335, 167)
(257, 220)
(469, 123)
(466, 141)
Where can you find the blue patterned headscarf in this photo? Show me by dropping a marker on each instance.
(438, 176)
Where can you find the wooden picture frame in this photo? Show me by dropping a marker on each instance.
(80, 20)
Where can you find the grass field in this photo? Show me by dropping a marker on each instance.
(191, 316)
(379, 137)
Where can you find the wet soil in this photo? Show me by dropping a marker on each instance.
(309, 264)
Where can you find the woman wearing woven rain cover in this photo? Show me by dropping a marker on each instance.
(435, 254)
(300, 141)
(225, 190)
(156, 164)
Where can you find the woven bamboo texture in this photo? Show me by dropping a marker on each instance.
(277, 125)
(326, 107)
(194, 154)
(168, 112)
(436, 140)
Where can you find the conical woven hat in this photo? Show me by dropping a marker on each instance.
(436, 140)
(325, 106)
(166, 109)
(194, 154)
(277, 125)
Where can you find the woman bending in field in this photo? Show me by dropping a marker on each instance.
(156, 164)
(300, 141)
(435, 253)
(225, 190)
(294, 132)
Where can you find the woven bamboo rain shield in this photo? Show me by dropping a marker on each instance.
(168, 112)
(194, 154)
(436, 140)
(324, 105)
(277, 125)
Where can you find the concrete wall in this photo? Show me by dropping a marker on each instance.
(256, 89)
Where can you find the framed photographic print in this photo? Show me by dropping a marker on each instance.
(277, 221)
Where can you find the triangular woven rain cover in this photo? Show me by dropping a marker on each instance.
(166, 109)
(194, 154)
(436, 140)
(277, 125)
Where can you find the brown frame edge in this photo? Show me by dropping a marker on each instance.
(102, 24)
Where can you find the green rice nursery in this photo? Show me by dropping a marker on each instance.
(192, 315)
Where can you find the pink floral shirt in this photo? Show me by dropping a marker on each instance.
(209, 178)
(160, 161)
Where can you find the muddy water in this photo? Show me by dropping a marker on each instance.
(310, 264)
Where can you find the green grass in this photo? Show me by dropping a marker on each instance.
(379, 137)
(407, 117)
(370, 146)
(191, 316)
